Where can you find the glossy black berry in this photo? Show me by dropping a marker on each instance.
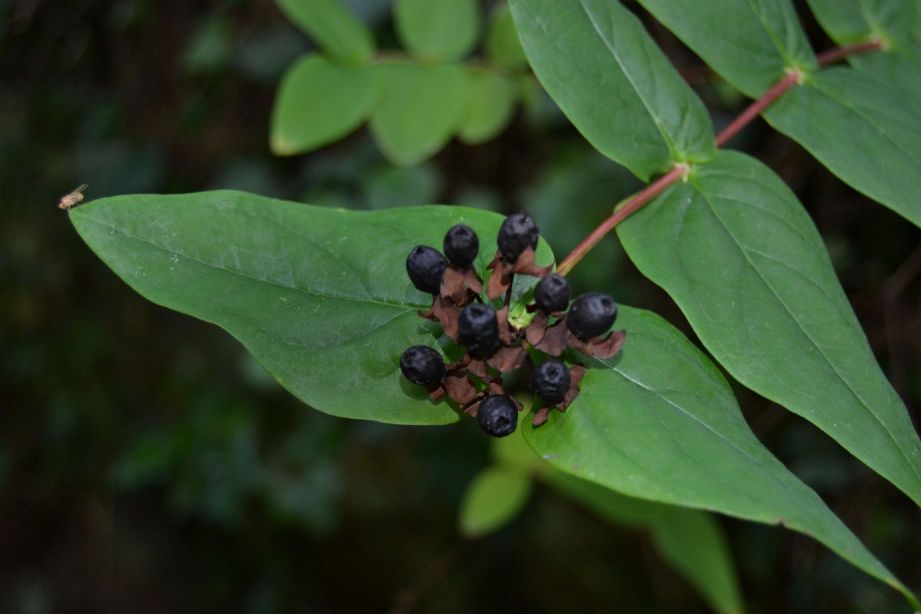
(517, 233)
(422, 365)
(552, 293)
(498, 415)
(550, 380)
(478, 330)
(591, 315)
(461, 245)
(426, 267)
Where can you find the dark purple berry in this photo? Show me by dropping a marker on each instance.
(550, 381)
(478, 330)
(497, 415)
(461, 245)
(552, 293)
(591, 315)
(517, 233)
(422, 365)
(426, 267)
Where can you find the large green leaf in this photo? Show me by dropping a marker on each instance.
(659, 422)
(333, 27)
(438, 29)
(494, 497)
(319, 296)
(421, 108)
(606, 73)
(690, 540)
(319, 102)
(737, 252)
(899, 68)
(865, 131)
(855, 21)
(749, 42)
(490, 105)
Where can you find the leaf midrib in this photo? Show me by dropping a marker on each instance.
(861, 402)
(309, 291)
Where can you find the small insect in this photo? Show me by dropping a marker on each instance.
(72, 199)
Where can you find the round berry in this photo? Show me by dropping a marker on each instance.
(422, 365)
(550, 380)
(425, 267)
(461, 245)
(497, 415)
(478, 330)
(552, 293)
(591, 315)
(517, 233)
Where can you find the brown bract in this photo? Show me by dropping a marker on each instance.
(576, 373)
(444, 312)
(460, 286)
(502, 272)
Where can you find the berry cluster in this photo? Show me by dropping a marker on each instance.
(492, 345)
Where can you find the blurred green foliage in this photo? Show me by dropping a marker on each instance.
(147, 463)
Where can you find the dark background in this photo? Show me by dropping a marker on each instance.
(148, 465)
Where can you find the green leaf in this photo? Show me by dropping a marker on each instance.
(659, 422)
(898, 68)
(690, 540)
(502, 44)
(422, 107)
(490, 105)
(332, 27)
(863, 130)
(438, 30)
(737, 252)
(494, 497)
(750, 43)
(855, 21)
(319, 296)
(608, 76)
(319, 102)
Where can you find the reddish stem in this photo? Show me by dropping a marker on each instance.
(638, 200)
(756, 108)
(833, 55)
(747, 116)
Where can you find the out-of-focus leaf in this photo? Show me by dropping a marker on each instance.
(764, 38)
(691, 540)
(863, 130)
(441, 30)
(614, 83)
(739, 255)
(319, 102)
(210, 47)
(490, 105)
(494, 497)
(319, 296)
(332, 27)
(388, 186)
(659, 422)
(502, 44)
(421, 108)
(855, 21)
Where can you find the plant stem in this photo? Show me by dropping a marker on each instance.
(620, 214)
(756, 108)
(641, 198)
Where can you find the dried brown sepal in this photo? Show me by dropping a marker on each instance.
(496, 386)
(527, 265)
(460, 286)
(507, 334)
(576, 373)
(555, 339)
(445, 313)
(499, 279)
(473, 408)
(540, 417)
(478, 368)
(508, 358)
(601, 347)
(459, 388)
(536, 329)
(436, 392)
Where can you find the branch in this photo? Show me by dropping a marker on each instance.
(638, 200)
